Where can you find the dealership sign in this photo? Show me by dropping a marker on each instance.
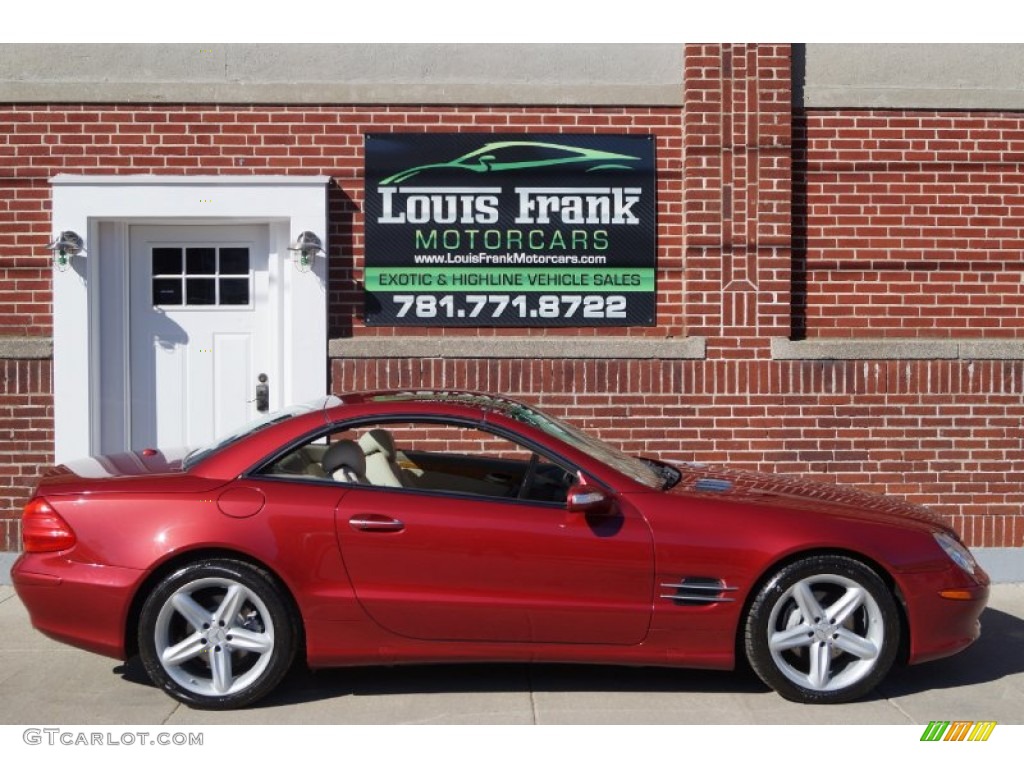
(473, 229)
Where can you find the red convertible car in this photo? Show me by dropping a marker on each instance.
(392, 528)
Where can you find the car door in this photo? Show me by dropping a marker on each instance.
(461, 564)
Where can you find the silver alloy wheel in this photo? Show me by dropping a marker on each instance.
(826, 632)
(214, 636)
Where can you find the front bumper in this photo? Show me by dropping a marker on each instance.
(81, 604)
(939, 626)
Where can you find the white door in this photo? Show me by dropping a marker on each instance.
(199, 335)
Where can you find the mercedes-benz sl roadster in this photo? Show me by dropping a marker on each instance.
(393, 528)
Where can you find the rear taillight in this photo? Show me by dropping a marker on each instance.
(43, 530)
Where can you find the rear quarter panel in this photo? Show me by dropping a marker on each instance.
(148, 532)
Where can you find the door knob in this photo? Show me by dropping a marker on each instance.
(262, 394)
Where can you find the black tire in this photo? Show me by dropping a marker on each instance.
(839, 652)
(210, 655)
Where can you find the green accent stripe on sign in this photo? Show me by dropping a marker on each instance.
(509, 279)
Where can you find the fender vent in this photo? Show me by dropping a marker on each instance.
(697, 590)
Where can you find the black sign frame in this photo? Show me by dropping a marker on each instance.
(510, 230)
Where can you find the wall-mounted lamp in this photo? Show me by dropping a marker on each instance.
(305, 249)
(64, 246)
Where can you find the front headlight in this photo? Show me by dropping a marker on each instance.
(957, 552)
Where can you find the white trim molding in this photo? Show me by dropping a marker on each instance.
(527, 347)
(898, 349)
(89, 204)
(25, 348)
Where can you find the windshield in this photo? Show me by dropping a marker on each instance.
(256, 425)
(651, 473)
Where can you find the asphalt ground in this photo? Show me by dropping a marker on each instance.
(42, 681)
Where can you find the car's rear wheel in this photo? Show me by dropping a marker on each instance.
(823, 630)
(217, 634)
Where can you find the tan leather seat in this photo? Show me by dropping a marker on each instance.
(378, 446)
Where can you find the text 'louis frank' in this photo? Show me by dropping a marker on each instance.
(534, 205)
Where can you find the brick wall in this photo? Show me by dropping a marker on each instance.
(346, 200)
(24, 227)
(26, 438)
(737, 178)
(39, 142)
(769, 224)
(911, 223)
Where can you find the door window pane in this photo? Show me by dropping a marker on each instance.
(200, 261)
(234, 290)
(234, 261)
(167, 261)
(167, 292)
(200, 291)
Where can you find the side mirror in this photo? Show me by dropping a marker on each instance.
(588, 500)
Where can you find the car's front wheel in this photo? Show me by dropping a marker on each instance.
(823, 630)
(217, 634)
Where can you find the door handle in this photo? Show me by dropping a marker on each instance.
(262, 394)
(376, 523)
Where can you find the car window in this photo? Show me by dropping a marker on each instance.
(652, 474)
(265, 420)
(427, 456)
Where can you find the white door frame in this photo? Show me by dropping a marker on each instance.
(101, 208)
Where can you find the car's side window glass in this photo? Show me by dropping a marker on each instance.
(460, 459)
(428, 456)
(307, 460)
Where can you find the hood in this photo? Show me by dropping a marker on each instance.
(797, 493)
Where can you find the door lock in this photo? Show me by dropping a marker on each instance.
(262, 394)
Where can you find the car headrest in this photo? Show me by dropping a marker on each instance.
(378, 441)
(344, 453)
